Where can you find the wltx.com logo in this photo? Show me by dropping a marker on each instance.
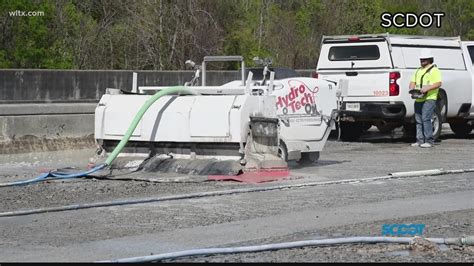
(21, 13)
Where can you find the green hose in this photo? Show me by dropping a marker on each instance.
(116, 151)
(139, 115)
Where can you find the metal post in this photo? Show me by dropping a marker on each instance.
(203, 79)
(270, 85)
(243, 72)
(134, 82)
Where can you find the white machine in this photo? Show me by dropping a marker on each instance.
(259, 124)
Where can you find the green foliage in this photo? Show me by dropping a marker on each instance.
(459, 18)
(243, 36)
(28, 41)
(162, 34)
(4, 62)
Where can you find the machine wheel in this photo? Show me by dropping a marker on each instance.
(283, 151)
(309, 158)
(460, 129)
(351, 131)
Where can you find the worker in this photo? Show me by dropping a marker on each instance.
(426, 79)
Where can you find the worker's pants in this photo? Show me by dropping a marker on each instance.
(423, 113)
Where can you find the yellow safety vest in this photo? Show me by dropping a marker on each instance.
(427, 76)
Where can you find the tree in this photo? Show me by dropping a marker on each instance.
(163, 34)
(27, 41)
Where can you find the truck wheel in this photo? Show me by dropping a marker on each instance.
(308, 158)
(436, 123)
(442, 105)
(351, 131)
(460, 129)
(409, 130)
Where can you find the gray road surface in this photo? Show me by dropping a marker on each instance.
(444, 203)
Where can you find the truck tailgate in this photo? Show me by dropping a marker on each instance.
(368, 84)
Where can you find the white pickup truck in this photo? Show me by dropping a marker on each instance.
(379, 68)
(463, 127)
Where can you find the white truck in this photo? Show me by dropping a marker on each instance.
(379, 68)
(463, 127)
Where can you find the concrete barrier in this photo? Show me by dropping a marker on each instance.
(43, 110)
(44, 127)
(49, 86)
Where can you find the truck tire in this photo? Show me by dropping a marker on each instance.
(409, 130)
(308, 158)
(351, 131)
(437, 124)
(442, 105)
(460, 129)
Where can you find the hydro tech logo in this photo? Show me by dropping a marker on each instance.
(300, 96)
(411, 20)
(402, 229)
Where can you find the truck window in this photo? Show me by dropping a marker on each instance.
(349, 53)
(443, 58)
(471, 53)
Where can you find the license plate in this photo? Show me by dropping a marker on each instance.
(353, 107)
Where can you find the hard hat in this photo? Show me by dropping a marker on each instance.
(426, 53)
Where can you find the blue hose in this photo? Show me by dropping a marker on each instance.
(65, 175)
(53, 176)
(41, 177)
